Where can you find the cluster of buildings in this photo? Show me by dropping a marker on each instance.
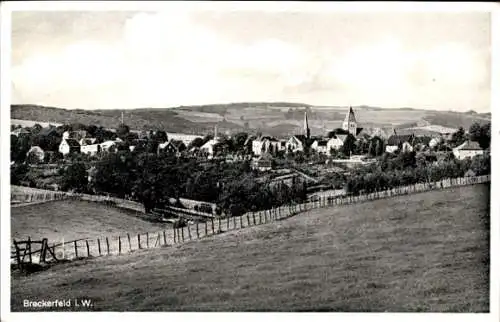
(265, 147)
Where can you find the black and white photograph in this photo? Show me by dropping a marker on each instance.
(223, 157)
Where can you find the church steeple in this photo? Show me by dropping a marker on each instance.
(307, 132)
(350, 123)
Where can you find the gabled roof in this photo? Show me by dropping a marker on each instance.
(177, 143)
(469, 145)
(20, 130)
(322, 142)
(302, 138)
(342, 137)
(399, 139)
(249, 138)
(350, 116)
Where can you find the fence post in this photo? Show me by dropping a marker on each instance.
(241, 221)
(175, 234)
(18, 256)
(189, 231)
(227, 223)
(197, 231)
(234, 222)
(206, 228)
(76, 249)
(147, 240)
(107, 244)
(220, 224)
(182, 233)
(139, 241)
(248, 219)
(253, 218)
(29, 249)
(129, 243)
(260, 217)
(119, 245)
(213, 227)
(43, 251)
(99, 246)
(88, 248)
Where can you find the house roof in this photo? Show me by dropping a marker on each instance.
(398, 139)
(350, 116)
(342, 137)
(302, 138)
(72, 142)
(20, 130)
(469, 145)
(322, 142)
(177, 143)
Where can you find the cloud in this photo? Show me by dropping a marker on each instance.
(170, 58)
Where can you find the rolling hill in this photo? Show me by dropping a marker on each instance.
(275, 118)
(423, 252)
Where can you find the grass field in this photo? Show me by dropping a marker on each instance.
(73, 220)
(424, 252)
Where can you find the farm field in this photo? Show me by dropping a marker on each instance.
(71, 219)
(423, 252)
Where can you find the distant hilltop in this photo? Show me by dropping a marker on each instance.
(273, 118)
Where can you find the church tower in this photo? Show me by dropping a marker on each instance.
(350, 124)
(307, 132)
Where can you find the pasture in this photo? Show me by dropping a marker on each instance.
(71, 219)
(422, 252)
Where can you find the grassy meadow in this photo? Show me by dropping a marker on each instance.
(423, 252)
(72, 219)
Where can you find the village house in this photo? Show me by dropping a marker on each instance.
(267, 144)
(35, 153)
(400, 142)
(468, 149)
(172, 147)
(336, 143)
(69, 146)
(320, 146)
(296, 143)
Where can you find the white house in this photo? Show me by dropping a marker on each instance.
(69, 146)
(320, 146)
(209, 147)
(468, 149)
(403, 142)
(296, 143)
(267, 145)
(335, 143)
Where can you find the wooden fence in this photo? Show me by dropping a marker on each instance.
(32, 197)
(126, 243)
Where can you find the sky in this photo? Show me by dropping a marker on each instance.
(96, 60)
